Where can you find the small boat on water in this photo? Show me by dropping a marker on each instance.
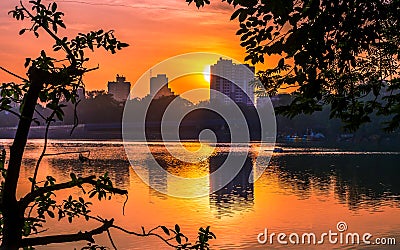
(278, 150)
(309, 136)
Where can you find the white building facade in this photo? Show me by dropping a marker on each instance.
(233, 80)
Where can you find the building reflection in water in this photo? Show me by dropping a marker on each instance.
(157, 178)
(159, 168)
(359, 181)
(237, 195)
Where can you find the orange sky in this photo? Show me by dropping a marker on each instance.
(156, 30)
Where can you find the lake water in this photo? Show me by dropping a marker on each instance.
(302, 191)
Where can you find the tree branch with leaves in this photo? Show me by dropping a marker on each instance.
(52, 81)
(343, 54)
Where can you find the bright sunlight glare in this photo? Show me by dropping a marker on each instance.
(206, 73)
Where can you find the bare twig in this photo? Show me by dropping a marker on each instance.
(13, 74)
(40, 114)
(143, 234)
(111, 239)
(76, 118)
(12, 112)
(67, 153)
(123, 206)
(92, 69)
(46, 135)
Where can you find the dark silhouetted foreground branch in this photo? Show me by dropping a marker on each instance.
(13, 74)
(87, 236)
(24, 202)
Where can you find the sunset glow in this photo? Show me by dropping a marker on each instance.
(178, 29)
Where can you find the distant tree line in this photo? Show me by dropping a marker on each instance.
(99, 108)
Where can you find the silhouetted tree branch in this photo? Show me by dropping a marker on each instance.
(30, 197)
(86, 236)
(13, 74)
(342, 54)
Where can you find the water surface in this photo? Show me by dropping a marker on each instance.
(302, 190)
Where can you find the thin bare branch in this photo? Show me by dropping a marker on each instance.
(92, 69)
(76, 118)
(13, 74)
(40, 114)
(12, 112)
(111, 239)
(67, 153)
(46, 136)
(143, 234)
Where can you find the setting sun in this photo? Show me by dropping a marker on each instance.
(206, 73)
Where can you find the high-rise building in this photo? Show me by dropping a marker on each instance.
(120, 89)
(232, 80)
(159, 86)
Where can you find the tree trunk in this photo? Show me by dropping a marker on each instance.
(13, 215)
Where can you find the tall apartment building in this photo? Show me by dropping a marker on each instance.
(159, 86)
(120, 89)
(232, 80)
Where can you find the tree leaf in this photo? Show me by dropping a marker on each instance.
(165, 229)
(281, 63)
(177, 228)
(54, 7)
